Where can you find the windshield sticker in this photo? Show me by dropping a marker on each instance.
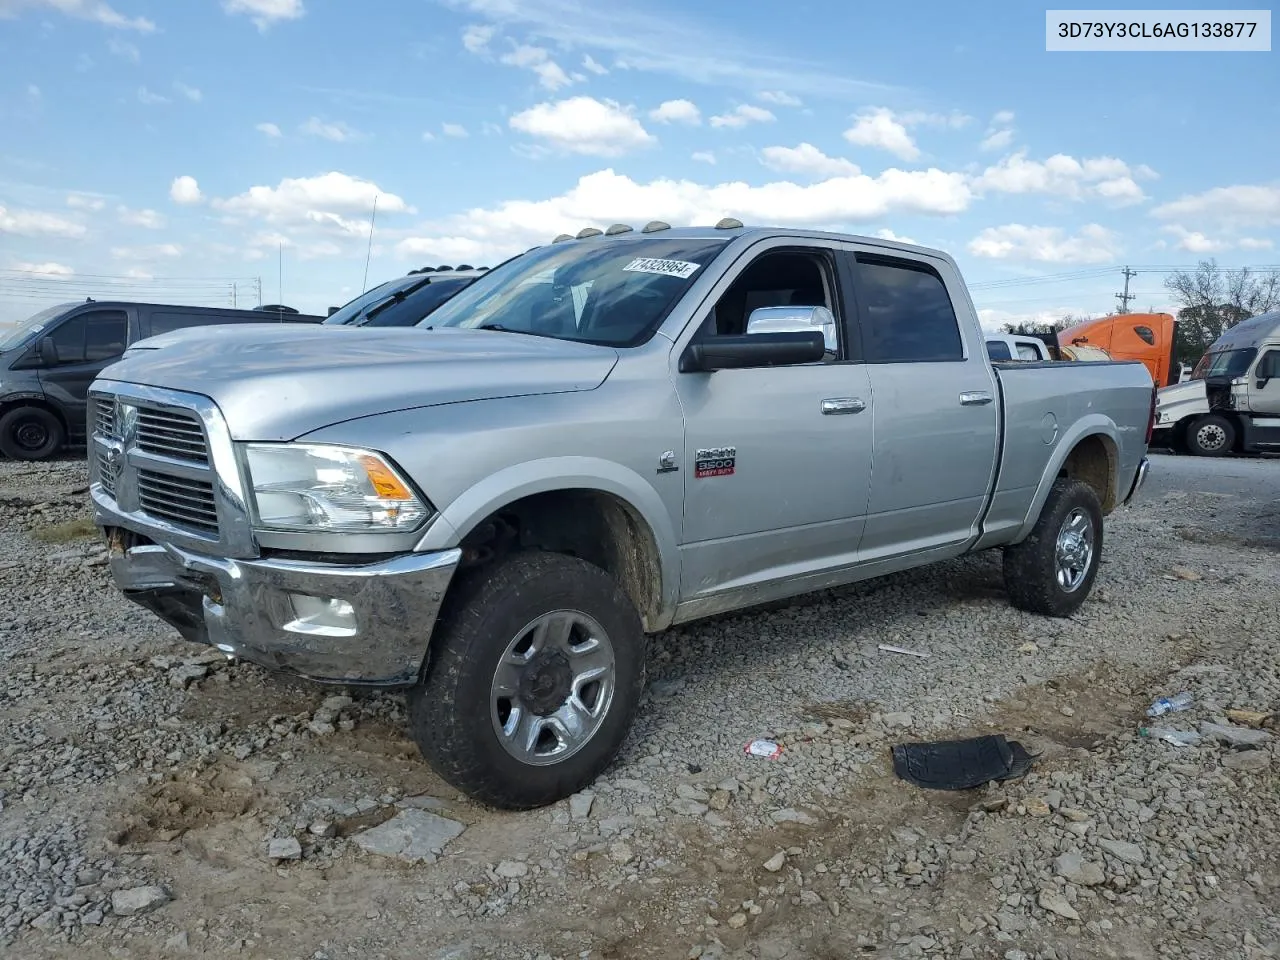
(667, 268)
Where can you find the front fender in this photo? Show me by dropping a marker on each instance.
(564, 473)
(1094, 424)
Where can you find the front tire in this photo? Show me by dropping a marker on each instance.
(31, 433)
(1211, 436)
(1052, 571)
(537, 669)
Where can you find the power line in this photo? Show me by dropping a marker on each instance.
(1125, 297)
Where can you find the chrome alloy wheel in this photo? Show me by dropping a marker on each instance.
(1073, 553)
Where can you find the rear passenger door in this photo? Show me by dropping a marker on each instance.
(935, 417)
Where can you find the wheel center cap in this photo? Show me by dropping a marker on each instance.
(546, 682)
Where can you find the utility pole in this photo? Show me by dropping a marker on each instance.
(257, 283)
(234, 304)
(1125, 297)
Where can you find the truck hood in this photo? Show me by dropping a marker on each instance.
(277, 384)
(1180, 400)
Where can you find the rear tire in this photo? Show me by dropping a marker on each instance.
(1211, 436)
(537, 669)
(31, 433)
(1052, 571)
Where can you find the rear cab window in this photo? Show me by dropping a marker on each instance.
(906, 312)
(998, 350)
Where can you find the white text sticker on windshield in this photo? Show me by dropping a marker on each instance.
(668, 268)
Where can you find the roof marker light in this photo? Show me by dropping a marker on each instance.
(616, 229)
(729, 223)
(589, 232)
(653, 226)
(561, 238)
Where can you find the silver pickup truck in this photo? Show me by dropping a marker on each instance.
(602, 437)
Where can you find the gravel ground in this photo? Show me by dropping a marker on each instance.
(157, 800)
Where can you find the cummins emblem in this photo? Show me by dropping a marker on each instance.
(714, 462)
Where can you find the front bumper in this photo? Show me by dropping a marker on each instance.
(1139, 479)
(257, 609)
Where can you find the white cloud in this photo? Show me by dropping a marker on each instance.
(454, 130)
(606, 197)
(332, 201)
(704, 156)
(334, 131)
(490, 129)
(84, 201)
(1064, 176)
(1242, 205)
(124, 49)
(584, 125)
(994, 319)
(33, 93)
(997, 140)
(159, 251)
(428, 136)
(884, 233)
(808, 160)
(1194, 241)
(37, 223)
(742, 115)
(1014, 241)
(780, 98)
(269, 130)
(476, 37)
(149, 97)
(590, 64)
(1002, 118)
(137, 273)
(549, 73)
(191, 93)
(264, 13)
(48, 269)
(676, 111)
(95, 10)
(149, 219)
(185, 191)
(879, 128)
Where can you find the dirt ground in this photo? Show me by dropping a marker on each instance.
(130, 759)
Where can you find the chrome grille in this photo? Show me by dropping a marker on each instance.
(170, 433)
(105, 416)
(180, 500)
(106, 476)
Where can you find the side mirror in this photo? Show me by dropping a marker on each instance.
(332, 311)
(796, 320)
(48, 352)
(754, 350)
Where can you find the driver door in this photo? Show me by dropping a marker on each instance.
(776, 460)
(1264, 387)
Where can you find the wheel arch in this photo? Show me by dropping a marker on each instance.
(594, 509)
(1090, 451)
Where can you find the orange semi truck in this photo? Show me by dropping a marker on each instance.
(1130, 336)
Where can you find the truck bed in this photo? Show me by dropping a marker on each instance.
(1047, 408)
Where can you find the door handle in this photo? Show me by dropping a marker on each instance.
(838, 405)
(974, 398)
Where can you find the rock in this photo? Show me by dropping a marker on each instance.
(1037, 807)
(321, 728)
(1074, 815)
(776, 862)
(1249, 718)
(422, 802)
(322, 828)
(1067, 711)
(129, 903)
(738, 921)
(1028, 647)
(1184, 573)
(48, 920)
(897, 719)
(689, 808)
(336, 703)
(580, 804)
(791, 815)
(963, 856)
(1073, 868)
(284, 848)
(635, 786)
(184, 676)
(1235, 736)
(1123, 850)
(1247, 761)
(512, 869)
(410, 835)
(719, 800)
(687, 791)
(1055, 902)
(621, 853)
(178, 943)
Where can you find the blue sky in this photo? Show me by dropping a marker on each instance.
(163, 151)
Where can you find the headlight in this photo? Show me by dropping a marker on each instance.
(312, 488)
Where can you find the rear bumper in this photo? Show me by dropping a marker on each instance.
(1139, 479)
(374, 629)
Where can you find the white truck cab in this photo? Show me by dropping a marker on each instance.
(1009, 346)
(1231, 403)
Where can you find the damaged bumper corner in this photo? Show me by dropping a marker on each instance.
(1138, 480)
(360, 624)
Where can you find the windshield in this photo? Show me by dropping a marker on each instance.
(354, 308)
(1225, 363)
(407, 309)
(29, 327)
(611, 292)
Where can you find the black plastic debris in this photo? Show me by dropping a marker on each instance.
(960, 764)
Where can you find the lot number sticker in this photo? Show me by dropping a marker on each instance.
(667, 268)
